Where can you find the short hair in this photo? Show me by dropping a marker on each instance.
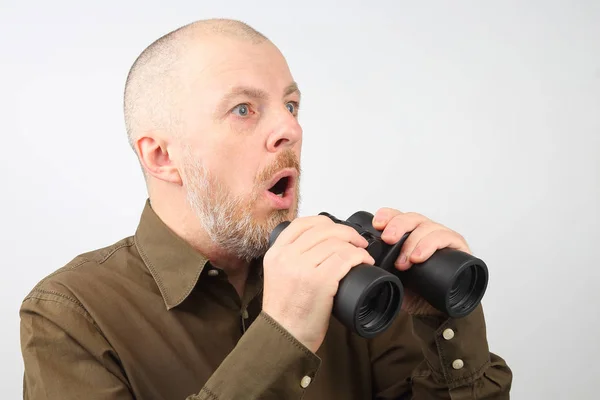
(150, 100)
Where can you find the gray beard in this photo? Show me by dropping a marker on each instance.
(228, 220)
(241, 237)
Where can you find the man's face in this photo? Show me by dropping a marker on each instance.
(241, 144)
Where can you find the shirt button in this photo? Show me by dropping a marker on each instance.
(448, 334)
(213, 272)
(305, 382)
(245, 314)
(458, 364)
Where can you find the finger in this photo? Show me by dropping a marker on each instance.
(401, 224)
(337, 265)
(425, 242)
(327, 248)
(298, 226)
(438, 239)
(319, 233)
(383, 216)
(403, 261)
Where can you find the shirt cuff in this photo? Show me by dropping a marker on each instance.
(268, 362)
(456, 349)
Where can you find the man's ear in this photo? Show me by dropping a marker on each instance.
(155, 158)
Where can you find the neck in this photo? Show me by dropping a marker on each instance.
(177, 215)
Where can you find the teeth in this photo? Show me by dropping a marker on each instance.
(280, 195)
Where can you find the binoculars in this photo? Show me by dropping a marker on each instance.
(369, 297)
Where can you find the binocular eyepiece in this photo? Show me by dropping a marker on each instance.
(369, 297)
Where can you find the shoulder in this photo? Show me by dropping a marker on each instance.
(68, 284)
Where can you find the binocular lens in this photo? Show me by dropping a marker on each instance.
(368, 300)
(467, 290)
(378, 307)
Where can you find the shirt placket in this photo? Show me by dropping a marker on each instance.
(251, 297)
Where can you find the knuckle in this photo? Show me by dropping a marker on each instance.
(415, 216)
(322, 219)
(281, 255)
(341, 258)
(388, 211)
(271, 255)
(441, 231)
(297, 222)
(459, 236)
(434, 225)
(357, 256)
(342, 231)
(438, 235)
(367, 256)
(348, 255)
(342, 252)
(341, 228)
(334, 242)
(274, 258)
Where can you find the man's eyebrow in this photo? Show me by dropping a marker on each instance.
(246, 91)
(292, 88)
(258, 94)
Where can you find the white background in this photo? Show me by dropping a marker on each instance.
(484, 116)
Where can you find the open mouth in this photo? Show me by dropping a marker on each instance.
(280, 187)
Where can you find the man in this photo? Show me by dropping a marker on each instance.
(188, 307)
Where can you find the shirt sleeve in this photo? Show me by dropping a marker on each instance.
(66, 357)
(64, 354)
(268, 363)
(438, 358)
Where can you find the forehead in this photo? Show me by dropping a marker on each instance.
(225, 63)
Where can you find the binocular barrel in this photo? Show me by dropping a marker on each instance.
(369, 297)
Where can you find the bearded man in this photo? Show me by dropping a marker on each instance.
(195, 305)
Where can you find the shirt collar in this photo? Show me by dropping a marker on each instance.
(174, 264)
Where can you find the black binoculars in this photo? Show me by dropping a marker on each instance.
(369, 298)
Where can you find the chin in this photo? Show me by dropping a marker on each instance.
(275, 217)
(266, 221)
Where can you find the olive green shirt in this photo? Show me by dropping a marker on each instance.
(150, 318)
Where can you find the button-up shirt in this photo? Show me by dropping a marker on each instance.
(150, 318)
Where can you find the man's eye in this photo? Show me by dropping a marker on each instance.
(242, 110)
(292, 106)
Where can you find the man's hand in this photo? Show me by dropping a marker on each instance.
(426, 237)
(302, 271)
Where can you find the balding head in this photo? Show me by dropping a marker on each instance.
(156, 79)
(211, 111)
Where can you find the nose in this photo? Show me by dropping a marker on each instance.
(286, 132)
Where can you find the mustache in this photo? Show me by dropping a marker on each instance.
(285, 159)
